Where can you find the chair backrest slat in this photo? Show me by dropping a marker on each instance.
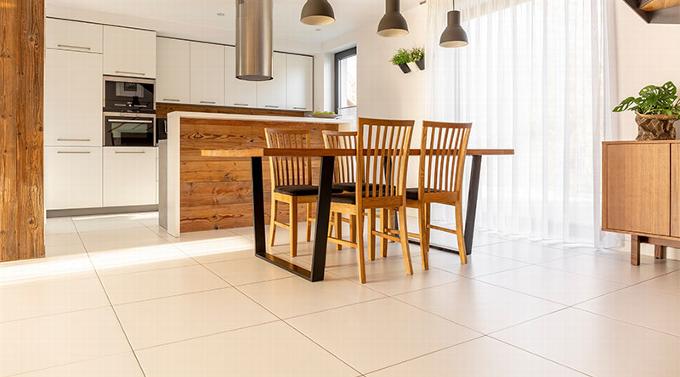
(442, 159)
(345, 170)
(289, 170)
(382, 157)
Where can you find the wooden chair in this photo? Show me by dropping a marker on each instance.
(440, 180)
(291, 182)
(380, 184)
(344, 177)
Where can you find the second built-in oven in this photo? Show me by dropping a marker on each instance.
(129, 130)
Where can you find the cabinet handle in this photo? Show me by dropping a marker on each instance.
(129, 121)
(131, 73)
(272, 106)
(74, 139)
(299, 108)
(171, 99)
(209, 102)
(130, 152)
(73, 152)
(75, 47)
(241, 104)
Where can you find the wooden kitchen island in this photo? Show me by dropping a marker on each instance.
(206, 193)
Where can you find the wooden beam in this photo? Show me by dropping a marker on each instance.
(21, 129)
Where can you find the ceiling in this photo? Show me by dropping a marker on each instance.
(199, 19)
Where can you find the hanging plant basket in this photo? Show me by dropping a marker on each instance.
(656, 127)
(421, 64)
(405, 68)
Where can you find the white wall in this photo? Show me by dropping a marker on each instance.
(647, 54)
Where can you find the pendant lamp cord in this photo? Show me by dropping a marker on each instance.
(454, 4)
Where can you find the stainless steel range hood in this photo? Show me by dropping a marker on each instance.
(254, 48)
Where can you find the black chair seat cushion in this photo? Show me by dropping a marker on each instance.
(412, 193)
(345, 198)
(348, 187)
(301, 190)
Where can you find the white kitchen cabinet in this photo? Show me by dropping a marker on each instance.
(299, 79)
(73, 98)
(272, 94)
(173, 83)
(130, 176)
(73, 177)
(207, 74)
(238, 93)
(73, 35)
(129, 52)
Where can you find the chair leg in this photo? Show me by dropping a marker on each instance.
(308, 220)
(424, 246)
(338, 228)
(403, 236)
(293, 227)
(371, 237)
(353, 228)
(462, 252)
(360, 248)
(384, 227)
(272, 223)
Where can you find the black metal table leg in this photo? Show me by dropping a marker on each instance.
(323, 209)
(322, 220)
(258, 207)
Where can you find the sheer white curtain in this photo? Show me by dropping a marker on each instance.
(536, 77)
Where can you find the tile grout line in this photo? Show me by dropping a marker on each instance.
(120, 324)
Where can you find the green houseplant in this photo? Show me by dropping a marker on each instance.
(657, 109)
(418, 56)
(401, 58)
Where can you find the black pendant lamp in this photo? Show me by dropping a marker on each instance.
(454, 35)
(393, 24)
(317, 12)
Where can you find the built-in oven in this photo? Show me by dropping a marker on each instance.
(126, 94)
(129, 129)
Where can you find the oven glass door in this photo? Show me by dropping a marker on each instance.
(128, 132)
(131, 95)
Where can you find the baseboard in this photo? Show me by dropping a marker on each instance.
(99, 211)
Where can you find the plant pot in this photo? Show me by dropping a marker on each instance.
(656, 127)
(405, 68)
(421, 64)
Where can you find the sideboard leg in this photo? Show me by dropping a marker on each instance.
(635, 250)
(660, 252)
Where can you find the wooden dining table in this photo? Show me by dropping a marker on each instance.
(316, 273)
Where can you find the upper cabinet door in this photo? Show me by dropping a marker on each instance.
(73, 98)
(300, 76)
(238, 93)
(129, 52)
(272, 94)
(73, 35)
(207, 74)
(174, 71)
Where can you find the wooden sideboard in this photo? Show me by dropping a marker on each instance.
(641, 193)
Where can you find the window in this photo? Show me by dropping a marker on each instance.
(346, 81)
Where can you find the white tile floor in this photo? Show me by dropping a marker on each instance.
(119, 297)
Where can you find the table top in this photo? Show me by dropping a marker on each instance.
(322, 152)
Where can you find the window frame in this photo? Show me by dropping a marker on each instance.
(339, 56)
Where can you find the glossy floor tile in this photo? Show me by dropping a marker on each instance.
(597, 346)
(154, 322)
(268, 350)
(376, 334)
(118, 296)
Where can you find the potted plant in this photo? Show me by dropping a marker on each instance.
(657, 109)
(401, 58)
(418, 56)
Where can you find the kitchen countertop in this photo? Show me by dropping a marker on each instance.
(175, 115)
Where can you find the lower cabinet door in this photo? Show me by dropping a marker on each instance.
(130, 176)
(73, 177)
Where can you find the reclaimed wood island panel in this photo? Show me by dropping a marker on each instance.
(206, 193)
